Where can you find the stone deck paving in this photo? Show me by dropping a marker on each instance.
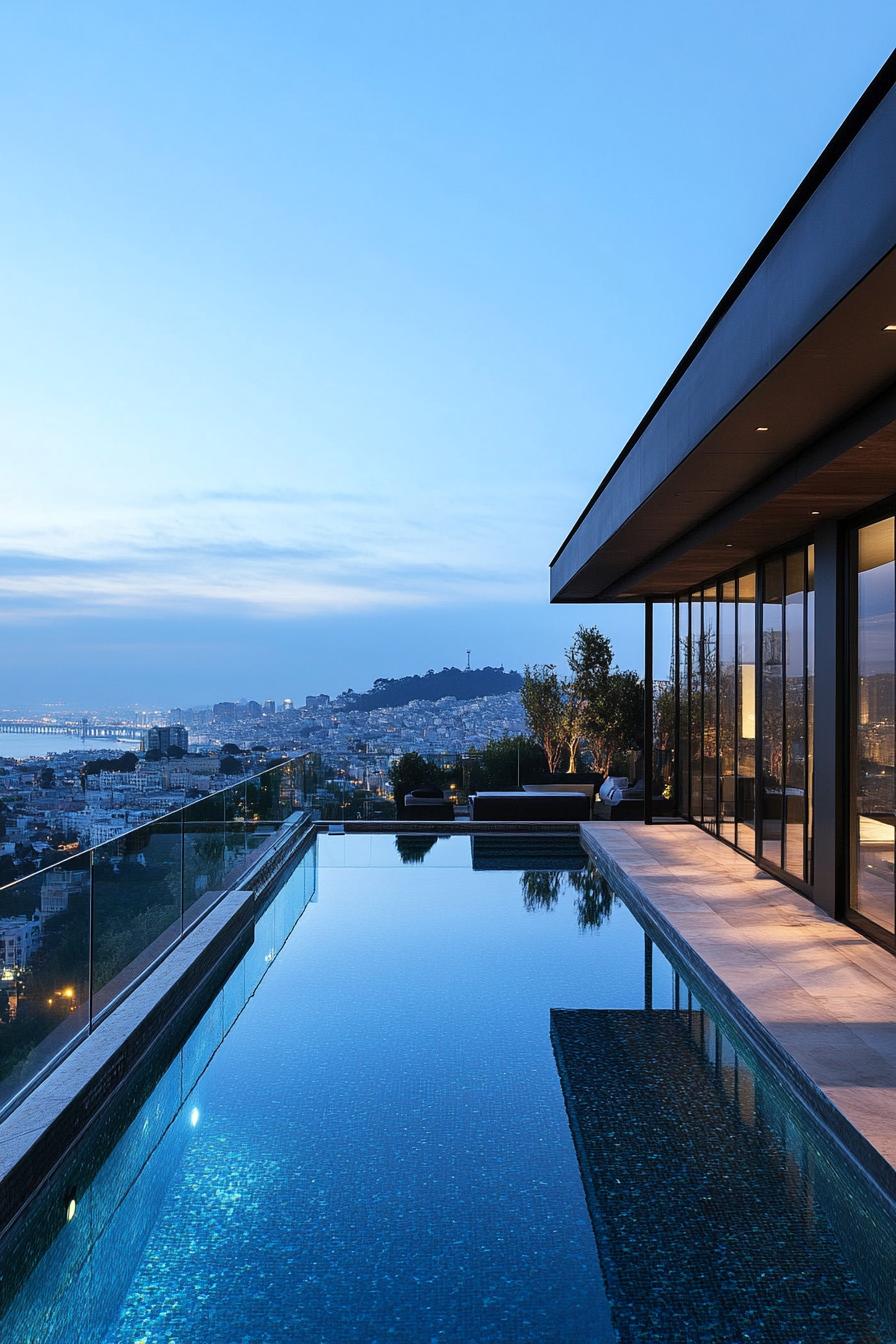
(825, 992)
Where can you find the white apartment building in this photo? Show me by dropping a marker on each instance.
(19, 938)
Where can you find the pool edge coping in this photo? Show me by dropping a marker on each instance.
(36, 1136)
(50, 1119)
(856, 1148)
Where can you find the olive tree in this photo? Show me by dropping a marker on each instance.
(544, 706)
(610, 701)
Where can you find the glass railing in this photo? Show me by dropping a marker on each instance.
(371, 785)
(123, 1168)
(76, 937)
(362, 786)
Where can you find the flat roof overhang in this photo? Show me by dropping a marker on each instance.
(797, 345)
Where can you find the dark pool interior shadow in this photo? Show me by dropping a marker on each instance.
(714, 1216)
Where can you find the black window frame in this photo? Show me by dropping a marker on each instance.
(851, 527)
(802, 884)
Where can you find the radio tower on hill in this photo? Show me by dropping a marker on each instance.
(468, 660)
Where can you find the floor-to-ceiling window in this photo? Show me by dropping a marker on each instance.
(873, 735)
(745, 766)
(727, 708)
(794, 811)
(771, 693)
(683, 682)
(710, 711)
(746, 699)
(810, 712)
(695, 664)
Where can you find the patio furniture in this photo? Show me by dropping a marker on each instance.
(619, 800)
(426, 804)
(588, 789)
(530, 805)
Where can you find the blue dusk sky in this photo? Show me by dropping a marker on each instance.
(321, 323)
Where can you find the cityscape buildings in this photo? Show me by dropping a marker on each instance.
(53, 805)
(163, 738)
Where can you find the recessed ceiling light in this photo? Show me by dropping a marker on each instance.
(891, 326)
(816, 512)
(728, 545)
(762, 429)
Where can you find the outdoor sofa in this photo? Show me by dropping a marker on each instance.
(589, 789)
(426, 804)
(530, 805)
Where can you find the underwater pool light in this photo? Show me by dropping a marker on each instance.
(194, 1117)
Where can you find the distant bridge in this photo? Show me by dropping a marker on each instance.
(130, 732)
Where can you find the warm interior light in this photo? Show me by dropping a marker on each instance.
(728, 545)
(816, 513)
(762, 429)
(748, 701)
(891, 326)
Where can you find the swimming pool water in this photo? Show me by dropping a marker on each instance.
(452, 1093)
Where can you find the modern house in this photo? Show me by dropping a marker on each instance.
(757, 497)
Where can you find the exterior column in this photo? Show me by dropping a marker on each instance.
(831, 753)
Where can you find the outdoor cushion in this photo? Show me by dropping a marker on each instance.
(571, 787)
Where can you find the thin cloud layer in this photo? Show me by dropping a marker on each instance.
(289, 553)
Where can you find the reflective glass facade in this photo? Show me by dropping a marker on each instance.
(745, 671)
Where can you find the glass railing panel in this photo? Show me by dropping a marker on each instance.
(235, 848)
(368, 787)
(205, 855)
(286, 790)
(455, 774)
(137, 880)
(77, 937)
(44, 970)
(269, 799)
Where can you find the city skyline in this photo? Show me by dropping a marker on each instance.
(310, 319)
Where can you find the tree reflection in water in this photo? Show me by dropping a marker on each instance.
(414, 848)
(541, 891)
(593, 896)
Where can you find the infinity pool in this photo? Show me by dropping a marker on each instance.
(451, 1094)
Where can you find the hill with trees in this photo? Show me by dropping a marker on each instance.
(461, 683)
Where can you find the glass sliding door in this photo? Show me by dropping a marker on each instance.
(745, 672)
(795, 773)
(810, 712)
(684, 723)
(710, 710)
(727, 709)
(873, 724)
(696, 704)
(772, 701)
(745, 778)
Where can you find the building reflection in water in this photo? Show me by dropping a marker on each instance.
(719, 1214)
